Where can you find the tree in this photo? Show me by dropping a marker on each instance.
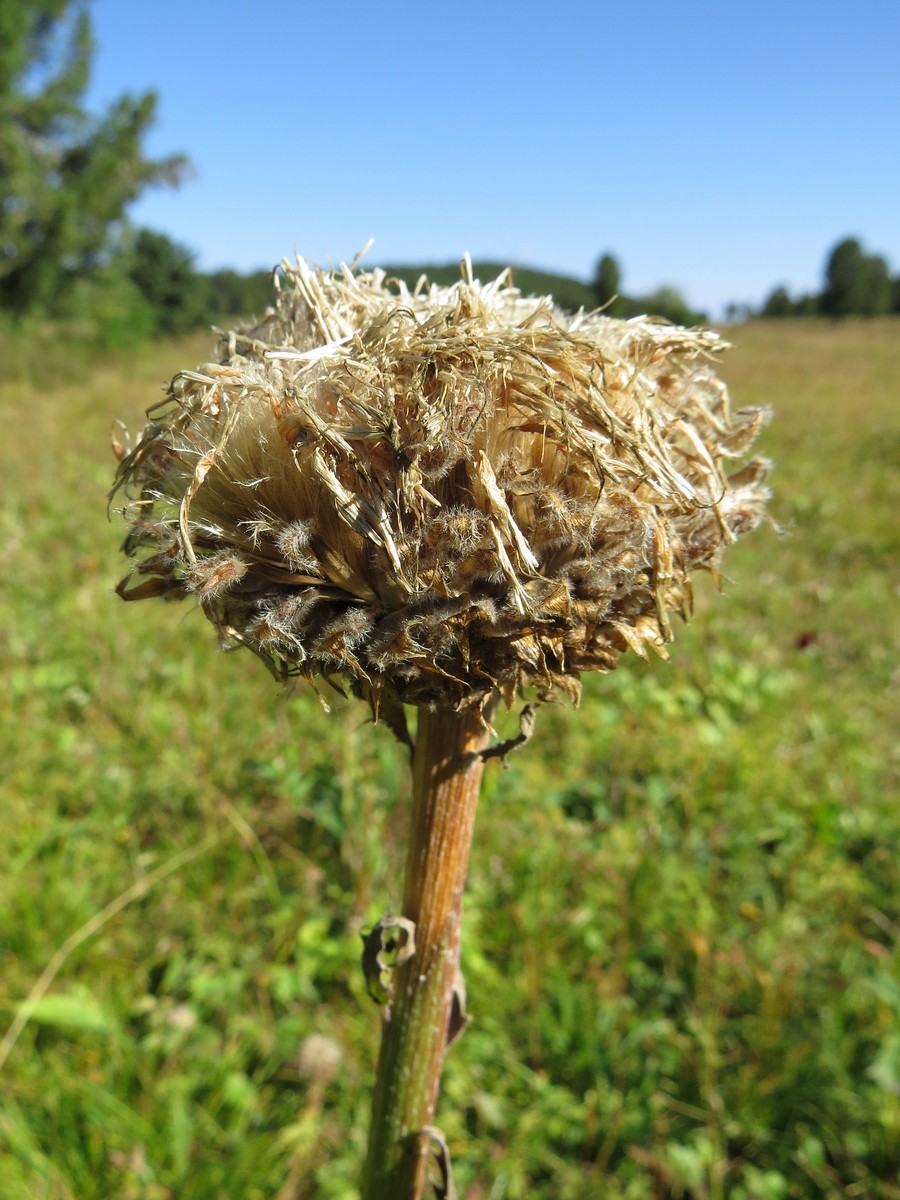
(164, 274)
(66, 177)
(778, 303)
(234, 295)
(607, 279)
(669, 303)
(666, 302)
(856, 283)
(737, 312)
(876, 292)
(842, 277)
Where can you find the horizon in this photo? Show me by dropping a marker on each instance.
(720, 153)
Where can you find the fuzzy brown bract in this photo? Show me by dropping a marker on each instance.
(440, 494)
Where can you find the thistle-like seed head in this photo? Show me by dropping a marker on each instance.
(442, 494)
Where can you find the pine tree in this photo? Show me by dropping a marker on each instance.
(607, 278)
(66, 177)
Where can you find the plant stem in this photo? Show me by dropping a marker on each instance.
(447, 771)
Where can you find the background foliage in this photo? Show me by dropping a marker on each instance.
(856, 284)
(681, 928)
(66, 176)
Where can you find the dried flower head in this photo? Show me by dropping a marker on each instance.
(443, 493)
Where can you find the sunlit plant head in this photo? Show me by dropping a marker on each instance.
(438, 495)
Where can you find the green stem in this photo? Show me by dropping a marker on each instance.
(447, 769)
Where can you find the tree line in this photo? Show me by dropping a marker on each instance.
(68, 251)
(855, 284)
(665, 301)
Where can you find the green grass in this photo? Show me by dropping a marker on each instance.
(681, 929)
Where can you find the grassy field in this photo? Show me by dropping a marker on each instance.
(681, 935)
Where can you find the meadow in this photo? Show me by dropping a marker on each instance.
(681, 929)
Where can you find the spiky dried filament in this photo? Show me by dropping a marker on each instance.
(441, 494)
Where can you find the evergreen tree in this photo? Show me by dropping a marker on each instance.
(607, 278)
(65, 177)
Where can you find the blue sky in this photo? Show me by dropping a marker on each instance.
(720, 148)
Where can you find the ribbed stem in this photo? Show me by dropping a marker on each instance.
(447, 773)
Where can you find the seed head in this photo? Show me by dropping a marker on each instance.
(440, 494)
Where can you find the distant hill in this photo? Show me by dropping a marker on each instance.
(568, 293)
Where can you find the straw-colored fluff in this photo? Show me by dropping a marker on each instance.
(439, 494)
